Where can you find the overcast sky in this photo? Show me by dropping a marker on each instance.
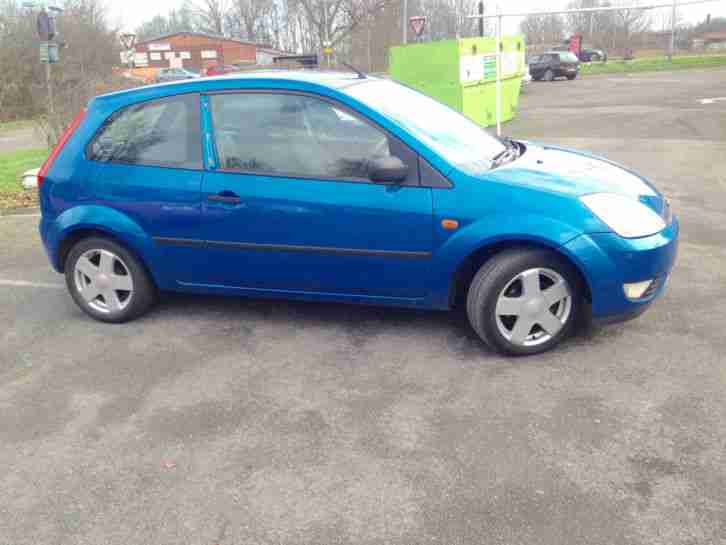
(129, 14)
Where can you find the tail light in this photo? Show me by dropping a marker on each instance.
(67, 133)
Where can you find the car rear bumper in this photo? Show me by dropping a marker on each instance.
(50, 242)
(610, 261)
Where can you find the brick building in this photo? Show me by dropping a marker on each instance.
(194, 51)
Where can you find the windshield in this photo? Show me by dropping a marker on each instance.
(456, 138)
(568, 57)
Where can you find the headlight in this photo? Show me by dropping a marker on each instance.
(627, 216)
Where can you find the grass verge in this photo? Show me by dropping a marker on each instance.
(654, 64)
(12, 166)
(15, 125)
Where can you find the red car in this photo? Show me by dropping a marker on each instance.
(219, 69)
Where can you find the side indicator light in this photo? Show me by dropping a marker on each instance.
(450, 225)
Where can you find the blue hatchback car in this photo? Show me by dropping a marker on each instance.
(327, 186)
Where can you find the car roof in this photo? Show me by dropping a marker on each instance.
(283, 78)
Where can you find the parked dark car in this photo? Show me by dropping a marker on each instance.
(554, 64)
(590, 55)
(174, 74)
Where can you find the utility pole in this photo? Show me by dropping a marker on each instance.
(499, 71)
(672, 48)
(49, 85)
(404, 21)
(327, 46)
(481, 19)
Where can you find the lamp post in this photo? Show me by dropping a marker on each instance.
(672, 47)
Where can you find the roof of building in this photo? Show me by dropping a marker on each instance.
(202, 34)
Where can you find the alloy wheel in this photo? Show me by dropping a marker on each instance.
(533, 307)
(103, 281)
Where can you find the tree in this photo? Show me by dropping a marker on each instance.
(596, 27)
(629, 22)
(181, 20)
(248, 19)
(210, 16)
(543, 29)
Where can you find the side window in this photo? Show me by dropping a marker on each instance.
(161, 132)
(296, 135)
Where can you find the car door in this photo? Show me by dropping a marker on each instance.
(290, 206)
(147, 164)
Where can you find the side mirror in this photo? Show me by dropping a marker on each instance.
(387, 170)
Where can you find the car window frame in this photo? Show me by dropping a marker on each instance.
(88, 155)
(412, 157)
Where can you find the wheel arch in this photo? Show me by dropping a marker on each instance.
(76, 235)
(467, 268)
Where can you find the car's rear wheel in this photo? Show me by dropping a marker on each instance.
(524, 301)
(549, 75)
(107, 281)
(571, 76)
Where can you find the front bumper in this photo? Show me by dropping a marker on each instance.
(608, 261)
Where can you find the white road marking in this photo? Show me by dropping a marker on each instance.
(24, 284)
(19, 216)
(712, 100)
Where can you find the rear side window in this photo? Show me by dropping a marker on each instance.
(297, 135)
(162, 132)
(568, 57)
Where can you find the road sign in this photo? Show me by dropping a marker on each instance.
(417, 25)
(128, 40)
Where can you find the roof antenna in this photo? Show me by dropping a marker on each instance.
(361, 75)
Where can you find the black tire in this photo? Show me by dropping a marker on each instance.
(139, 299)
(549, 75)
(495, 275)
(571, 77)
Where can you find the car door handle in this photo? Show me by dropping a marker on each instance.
(226, 197)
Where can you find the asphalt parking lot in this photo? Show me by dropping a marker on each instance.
(232, 421)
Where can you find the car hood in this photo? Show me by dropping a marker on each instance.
(560, 170)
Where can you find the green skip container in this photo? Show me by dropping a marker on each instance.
(462, 74)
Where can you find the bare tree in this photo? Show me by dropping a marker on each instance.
(211, 16)
(180, 20)
(628, 22)
(543, 29)
(249, 19)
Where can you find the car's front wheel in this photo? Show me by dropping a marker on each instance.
(107, 281)
(524, 301)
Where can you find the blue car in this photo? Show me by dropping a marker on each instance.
(325, 186)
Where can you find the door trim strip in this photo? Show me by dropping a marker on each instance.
(402, 254)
